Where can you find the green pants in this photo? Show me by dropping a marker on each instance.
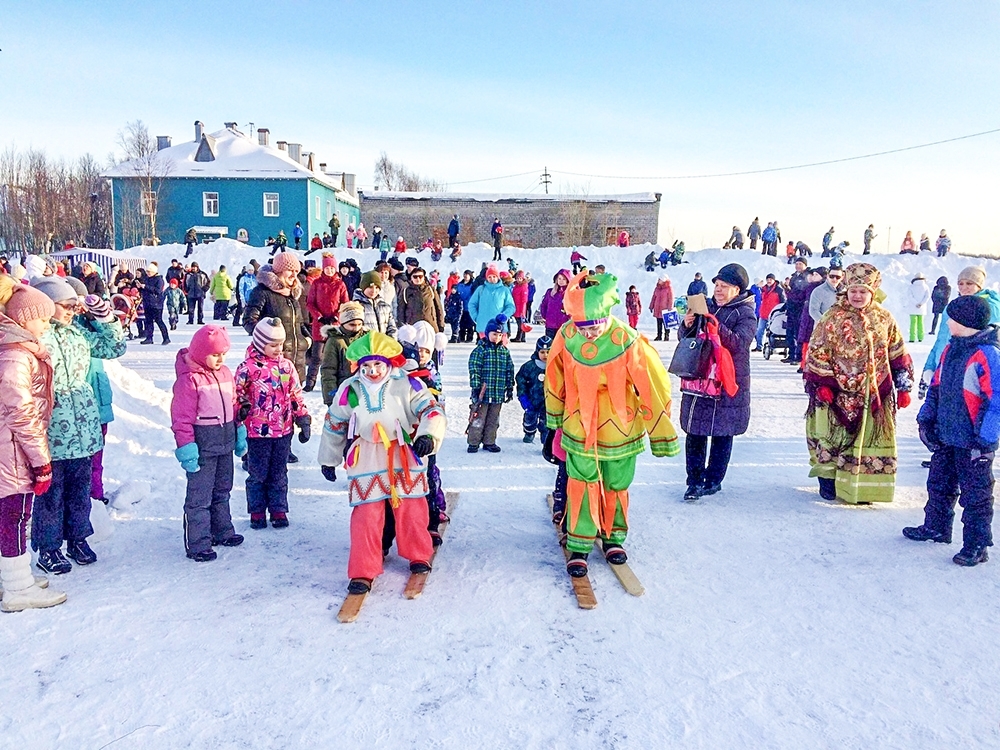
(916, 328)
(588, 480)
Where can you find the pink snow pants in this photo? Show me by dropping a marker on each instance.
(412, 538)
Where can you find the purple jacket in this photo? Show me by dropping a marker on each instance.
(551, 307)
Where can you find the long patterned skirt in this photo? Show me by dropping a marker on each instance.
(862, 464)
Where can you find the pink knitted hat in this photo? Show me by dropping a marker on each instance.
(27, 304)
(208, 340)
(286, 261)
(329, 261)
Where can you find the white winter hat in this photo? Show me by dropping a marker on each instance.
(423, 335)
(440, 341)
(35, 266)
(406, 334)
(152, 267)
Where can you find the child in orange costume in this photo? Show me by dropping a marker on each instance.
(605, 388)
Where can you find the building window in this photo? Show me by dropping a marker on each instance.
(329, 210)
(148, 206)
(271, 204)
(210, 202)
(318, 214)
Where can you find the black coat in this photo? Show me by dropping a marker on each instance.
(939, 297)
(264, 302)
(152, 292)
(701, 415)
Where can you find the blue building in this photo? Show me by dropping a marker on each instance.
(226, 184)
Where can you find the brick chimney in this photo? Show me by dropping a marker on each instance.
(263, 136)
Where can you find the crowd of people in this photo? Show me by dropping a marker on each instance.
(373, 341)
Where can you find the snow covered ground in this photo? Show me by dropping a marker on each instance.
(770, 618)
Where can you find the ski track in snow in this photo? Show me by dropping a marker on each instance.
(770, 618)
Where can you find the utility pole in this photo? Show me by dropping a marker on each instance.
(546, 179)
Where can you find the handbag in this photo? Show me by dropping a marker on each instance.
(693, 354)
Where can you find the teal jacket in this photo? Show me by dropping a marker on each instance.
(98, 380)
(488, 301)
(944, 335)
(75, 429)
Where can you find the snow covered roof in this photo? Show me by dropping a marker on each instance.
(236, 156)
(390, 195)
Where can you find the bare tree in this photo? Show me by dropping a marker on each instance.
(143, 191)
(391, 175)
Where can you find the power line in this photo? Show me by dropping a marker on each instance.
(491, 179)
(782, 169)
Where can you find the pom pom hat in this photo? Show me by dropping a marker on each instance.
(591, 304)
(329, 261)
(268, 331)
(376, 345)
(424, 335)
(497, 325)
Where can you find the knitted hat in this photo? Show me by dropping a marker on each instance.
(971, 311)
(78, 286)
(586, 304)
(491, 270)
(206, 341)
(733, 274)
(268, 331)
(376, 345)
(6, 288)
(975, 274)
(55, 288)
(405, 334)
(351, 311)
(26, 304)
(286, 261)
(544, 343)
(424, 335)
(371, 278)
(173, 283)
(864, 275)
(497, 325)
(329, 261)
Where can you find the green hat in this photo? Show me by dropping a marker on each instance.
(376, 345)
(590, 298)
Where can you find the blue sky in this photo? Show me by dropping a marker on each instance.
(464, 91)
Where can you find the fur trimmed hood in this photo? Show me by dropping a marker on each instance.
(269, 278)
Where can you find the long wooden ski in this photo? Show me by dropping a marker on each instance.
(415, 584)
(351, 607)
(628, 579)
(582, 588)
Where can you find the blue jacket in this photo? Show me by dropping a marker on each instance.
(464, 291)
(827, 239)
(531, 383)
(963, 401)
(698, 286)
(757, 295)
(247, 283)
(769, 234)
(297, 233)
(754, 231)
(944, 335)
(453, 228)
(488, 301)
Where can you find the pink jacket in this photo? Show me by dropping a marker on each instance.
(663, 297)
(202, 398)
(271, 387)
(26, 393)
(520, 294)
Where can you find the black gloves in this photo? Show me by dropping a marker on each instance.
(547, 452)
(304, 423)
(423, 445)
(508, 395)
(475, 395)
(929, 437)
(329, 473)
(244, 412)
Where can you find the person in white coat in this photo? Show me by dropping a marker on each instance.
(920, 294)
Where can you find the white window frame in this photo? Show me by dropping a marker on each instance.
(208, 202)
(272, 205)
(318, 214)
(147, 202)
(329, 210)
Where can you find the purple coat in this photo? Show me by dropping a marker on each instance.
(551, 307)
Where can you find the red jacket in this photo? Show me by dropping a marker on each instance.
(663, 297)
(770, 298)
(316, 244)
(400, 246)
(520, 294)
(326, 295)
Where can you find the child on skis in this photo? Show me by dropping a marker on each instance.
(203, 419)
(373, 414)
(633, 307)
(271, 404)
(491, 377)
(960, 424)
(605, 388)
(26, 392)
(531, 391)
(336, 368)
(174, 299)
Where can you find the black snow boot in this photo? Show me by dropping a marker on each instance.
(692, 493)
(577, 565)
(419, 567)
(81, 552)
(925, 533)
(206, 556)
(970, 556)
(828, 489)
(52, 561)
(614, 553)
(359, 586)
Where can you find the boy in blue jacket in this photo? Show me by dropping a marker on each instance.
(960, 424)
(530, 382)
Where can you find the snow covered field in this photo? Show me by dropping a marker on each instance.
(770, 618)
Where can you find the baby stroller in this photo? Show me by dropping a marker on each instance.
(126, 307)
(775, 334)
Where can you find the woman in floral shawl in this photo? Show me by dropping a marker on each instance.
(857, 373)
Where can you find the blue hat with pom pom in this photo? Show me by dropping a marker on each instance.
(498, 324)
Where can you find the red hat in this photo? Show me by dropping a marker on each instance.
(329, 261)
(172, 282)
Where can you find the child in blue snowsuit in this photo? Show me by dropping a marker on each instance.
(960, 424)
(530, 382)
